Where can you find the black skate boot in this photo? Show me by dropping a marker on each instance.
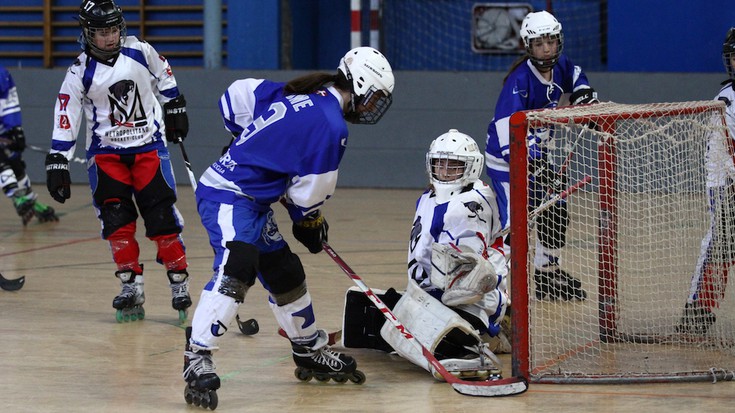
(180, 299)
(557, 284)
(321, 362)
(201, 380)
(44, 213)
(696, 320)
(24, 207)
(129, 303)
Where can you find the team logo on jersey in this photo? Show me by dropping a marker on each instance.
(126, 106)
(523, 93)
(415, 234)
(475, 208)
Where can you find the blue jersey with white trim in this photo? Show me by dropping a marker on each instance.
(291, 149)
(526, 89)
(10, 116)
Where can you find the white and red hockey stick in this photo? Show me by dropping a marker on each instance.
(489, 388)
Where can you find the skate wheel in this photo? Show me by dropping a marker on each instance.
(340, 379)
(357, 377)
(322, 377)
(302, 374)
(213, 400)
(119, 316)
(188, 395)
(183, 315)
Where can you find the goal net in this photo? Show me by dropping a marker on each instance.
(638, 219)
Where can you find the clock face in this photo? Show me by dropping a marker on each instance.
(496, 27)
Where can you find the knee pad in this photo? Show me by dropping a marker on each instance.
(242, 262)
(282, 271)
(116, 214)
(552, 226)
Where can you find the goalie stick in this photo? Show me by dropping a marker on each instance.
(490, 388)
(12, 285)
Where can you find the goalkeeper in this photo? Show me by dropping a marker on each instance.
(718, 245)
(456, 297)
(543, 78)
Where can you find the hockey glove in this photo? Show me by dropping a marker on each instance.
(545, 176)
(176, 120)
(58, 180)
(311, 231)
(17, 139)
(584, 96)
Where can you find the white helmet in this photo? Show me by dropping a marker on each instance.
(540, 24)
(371, 79)
(453, 145)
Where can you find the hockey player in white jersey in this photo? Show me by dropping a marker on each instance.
(543, 78)
(717, 254)
(132, 105)
(14, 181)
(456, 294)
(290, 141)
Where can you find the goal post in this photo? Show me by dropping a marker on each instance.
(633, 240)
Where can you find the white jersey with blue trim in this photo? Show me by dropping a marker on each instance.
(719, 155)
(469, 219)
(292, 149)
(10, 116)
(121, 99)
(526, 89)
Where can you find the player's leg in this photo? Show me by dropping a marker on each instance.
(110, 180)
(233, 232)
(43, 212)
(551, 280)
(283, 276)
(9, 183)
(155, 195)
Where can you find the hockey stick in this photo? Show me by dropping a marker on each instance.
(12, 285)
(551, 201)
(192, 178)
(247, 327)
(44, 150)
(501, 387)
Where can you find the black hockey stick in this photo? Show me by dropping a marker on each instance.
(44, 150)
(12, 285)
(490, 388)
(192, 178)
(247, 327)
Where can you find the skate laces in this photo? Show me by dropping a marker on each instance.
(326, 355)
(180, 289)
(199, 364)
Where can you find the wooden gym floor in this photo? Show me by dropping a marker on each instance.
(62, 349)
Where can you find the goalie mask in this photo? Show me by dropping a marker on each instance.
(541, 25)
(453, 162)
(371, 82)
(728, 52)
(101, 17)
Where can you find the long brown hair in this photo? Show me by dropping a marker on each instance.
(515, 65)
(312, 82)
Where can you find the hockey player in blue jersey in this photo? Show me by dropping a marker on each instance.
(717, 254)
(543, 78)
(14, 182)
(291, 139)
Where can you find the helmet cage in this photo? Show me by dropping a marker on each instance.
(539, 25)
(97, 17)
(728, 51)
(462, 160)
(371, 81)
